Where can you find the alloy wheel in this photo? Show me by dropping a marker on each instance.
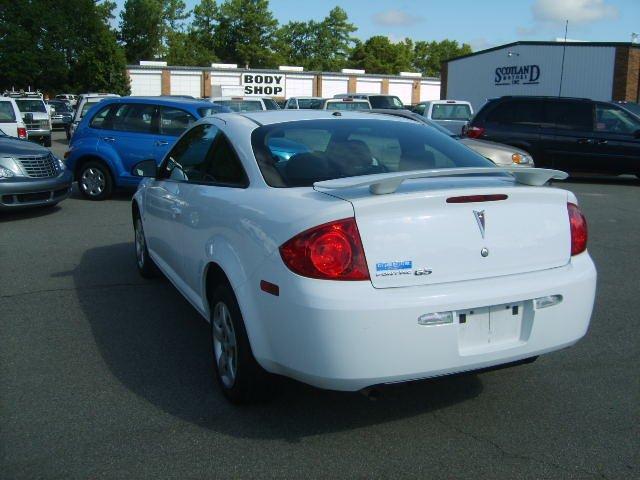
(224, 344)
(93, 181)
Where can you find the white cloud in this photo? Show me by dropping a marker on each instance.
(396, 18)
(576, 11)
(480, 43)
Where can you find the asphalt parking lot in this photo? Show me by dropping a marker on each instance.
(105, 375)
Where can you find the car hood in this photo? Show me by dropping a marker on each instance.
(485, 145)
(10, 146)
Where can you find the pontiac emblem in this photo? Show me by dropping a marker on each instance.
(480, 219)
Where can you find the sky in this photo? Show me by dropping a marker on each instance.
(482, 24)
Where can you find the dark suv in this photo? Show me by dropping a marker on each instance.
(571, 134)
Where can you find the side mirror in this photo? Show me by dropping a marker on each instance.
(145, 168)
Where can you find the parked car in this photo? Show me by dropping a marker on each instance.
(116, 133)
(572, 134)
(500, 154)
(11, 119)
(84, 103)
(296, 103)
(344, 267)
(30, 175)
(36, 118)
(375, 100)
(61, 114)
(68, 97)
(246, 104)
(451, 114)
(346, 104)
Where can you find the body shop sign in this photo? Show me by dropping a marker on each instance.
(268, 84)
(517, 75)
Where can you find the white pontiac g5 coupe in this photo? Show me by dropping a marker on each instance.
(347, 250)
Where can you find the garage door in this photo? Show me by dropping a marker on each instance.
(334, 85)
(186, 83)
(299, 86)
(146, 83)
(369, 85)
(429, 91)
(402, 89)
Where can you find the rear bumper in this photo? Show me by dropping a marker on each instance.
(348, 335)
(22, 192)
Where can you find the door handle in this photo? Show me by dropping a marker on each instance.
(602, 141)
(176, 212)
(583, 141)
(109, 139)
(161, 143)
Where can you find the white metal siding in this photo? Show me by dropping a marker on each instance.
(334, 85)
(146, 82)
(186, 83)
(299, 85)
(225, 78)
(401, 88)
(369, 85)
(429, 90)
(588, 72)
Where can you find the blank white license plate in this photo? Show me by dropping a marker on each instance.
(482, 328)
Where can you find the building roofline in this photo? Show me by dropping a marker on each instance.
(546, 43)
(281, 72)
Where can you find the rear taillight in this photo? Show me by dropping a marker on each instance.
(474, 132)
(22, 132)
(578, 226)
(332, 251)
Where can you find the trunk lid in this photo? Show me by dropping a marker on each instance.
(415, 237)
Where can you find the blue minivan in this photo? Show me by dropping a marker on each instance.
(117, 133)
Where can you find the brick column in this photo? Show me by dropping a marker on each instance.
(385, 86)
(351, 86)
(317, 86)
(165, 88)
(415, 92)
(206, 84)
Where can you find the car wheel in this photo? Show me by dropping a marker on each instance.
(68, 134)
(238, 374)
(146, 266)
(94, 181)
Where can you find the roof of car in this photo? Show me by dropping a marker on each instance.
(236, 97)
(168, 101)
(269, 117)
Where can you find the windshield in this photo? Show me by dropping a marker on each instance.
(60, 107)
(348, 106)
(385, 101)
(444, 111)
(632, 107)
(7, 114)
(87, 106)
(297, 154)
(28, 105)
(242, 105)
(213, 109)
(310, 103)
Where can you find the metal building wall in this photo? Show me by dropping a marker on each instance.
(588, 72)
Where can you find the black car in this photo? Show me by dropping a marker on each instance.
(571, 134)
(61, 113)
(30, 175)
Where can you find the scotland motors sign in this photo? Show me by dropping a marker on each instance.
(517, 75)
(267, 84)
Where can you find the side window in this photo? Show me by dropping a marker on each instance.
(519, 112)
(570, 115)
(188, 156)
(99, 119)
(6, 113)
(174, 121)
(612, 119)
(223, 165)
(134, 117)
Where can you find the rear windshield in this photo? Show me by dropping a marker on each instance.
(443, 111)
(87, 106)
(297, 154)
(7, 115)
(310, 103)
(31, 105)
(212, 110)
(241, 105)
(385, 101)
(348, 106)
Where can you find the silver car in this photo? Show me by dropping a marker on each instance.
(498, 153)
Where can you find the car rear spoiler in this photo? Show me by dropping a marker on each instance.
(383, 183)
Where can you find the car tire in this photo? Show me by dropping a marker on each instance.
(67, 133)
(146, 266)
(47, 142)
(95, 181)
(235, 369)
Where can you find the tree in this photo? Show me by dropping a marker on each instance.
(379, 55)
(428, 56)
(246, 33)
(141, 29)
(204, 24)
